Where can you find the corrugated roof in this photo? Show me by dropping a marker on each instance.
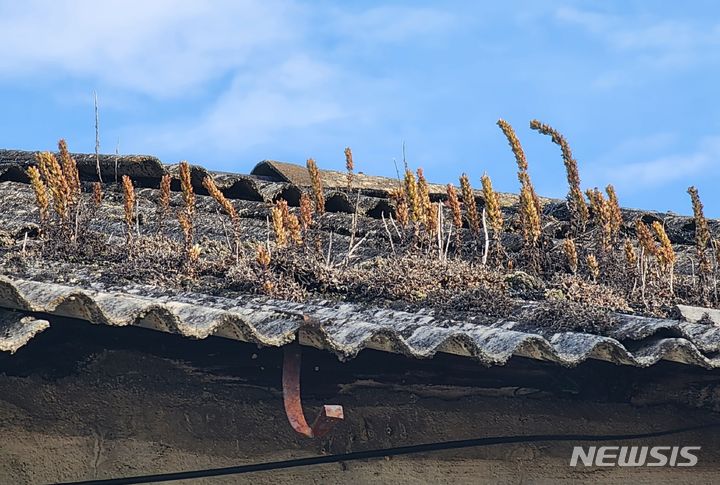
(343, 327)
(346, 328)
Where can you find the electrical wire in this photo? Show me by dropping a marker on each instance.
(369, 454)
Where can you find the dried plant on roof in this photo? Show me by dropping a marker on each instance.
(163, 202)
(317, 186)
(665, 253)
(129, 208)
(412, 197)
(616, 218)
(593, 266)
(70, 171)
(602, 213)
(571, 254)
(41, 196)
(306, 211)
(230, 211)
(186, 218)
(428, 211)
(349, 167)
(97, 194)
(576, 202)
(702, 239)
(492, 205)
(468, 197)
(523, 174)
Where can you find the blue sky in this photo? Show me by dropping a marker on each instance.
(633, 85)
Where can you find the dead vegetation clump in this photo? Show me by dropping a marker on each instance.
(304, 252)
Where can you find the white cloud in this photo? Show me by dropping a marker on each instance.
(643, 42)
(161, 48)
(662, 170)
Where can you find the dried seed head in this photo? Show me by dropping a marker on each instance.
(305, 211)
(220, 198)
(470, 204)
(412, 197)
(187, 188)
(41, 197)
(97, 194)
(349, 166)
(615, 211)
(492, 205)
(278, 225)
(645, 238)
(665, 253)
(70, 170)
(578, 208)
(426, 207)
(523, 174)
(186, 226)
(293, 227)
(529, 217)
(593, 266)
(571, 254)
(602, 212)
(630, 255)
(129, 206)
(194, 254)
(702, 231)
(57, 184)
(454, 205)
(262, 255)
(317, 186)
(164, 201)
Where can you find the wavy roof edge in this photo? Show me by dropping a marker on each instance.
(345, 329)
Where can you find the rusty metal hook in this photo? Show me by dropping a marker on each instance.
(329, 415)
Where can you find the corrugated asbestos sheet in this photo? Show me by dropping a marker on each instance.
(346, 329)
(343, 328)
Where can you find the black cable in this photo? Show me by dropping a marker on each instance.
(364, 455)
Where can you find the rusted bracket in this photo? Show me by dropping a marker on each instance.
(329, 415)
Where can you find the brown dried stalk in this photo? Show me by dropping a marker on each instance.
(402, 211)
(229, 209)
(593, 267)
(317, 186)
(129, 206)
(571, 254)
(97, 194)
(470, 205)
(630, 254)
(164, 200)
(615, 212)
(454, 205)
(665, 253)
(523, 174)
(70, 171)
(57, 184)
(645, 238)
(702, 237)
(278, 225)
(349, 166)
(220, 198)
(262, 255)
(41, 197)
(492, 205)
(602, 212)
(578, 209)
(305, 211)
(429, 215)
(529, 218)
(187, 189)
(412, 197)
(186, 218)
